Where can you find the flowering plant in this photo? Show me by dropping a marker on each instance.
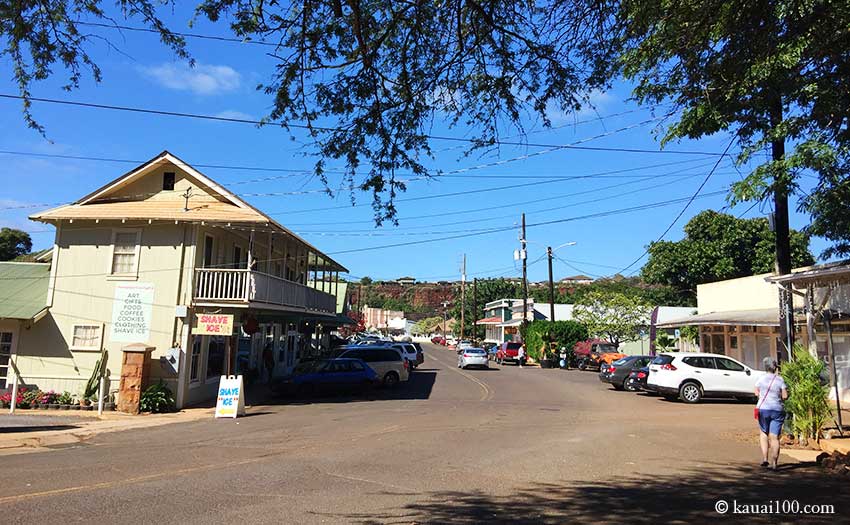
(49, 398)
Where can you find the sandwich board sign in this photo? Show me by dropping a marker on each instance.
(214, 324)
(230, 401)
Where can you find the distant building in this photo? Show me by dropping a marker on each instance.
(576, 279)
(406, 280)
(379, 318)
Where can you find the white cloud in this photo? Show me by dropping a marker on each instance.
(203, 79)
(231, 113)
(593, 105)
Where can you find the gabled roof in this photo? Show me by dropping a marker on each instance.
(23, 289)
(218, 206)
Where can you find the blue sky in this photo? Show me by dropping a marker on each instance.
(142, 73)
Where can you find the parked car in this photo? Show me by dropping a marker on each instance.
(694, 376)
(409, 351)
(592, 353)
(473, 357)
(636, 381)
(387, 362)
(438, 340)
(508, 353)
(617, 373)
(327, 376)
(420, 355)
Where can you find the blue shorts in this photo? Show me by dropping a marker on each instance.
(771, 421)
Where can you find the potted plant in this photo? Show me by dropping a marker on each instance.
(29, 398)
(65, 400)
(110, 402)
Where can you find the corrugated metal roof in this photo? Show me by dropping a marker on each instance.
(23, 289)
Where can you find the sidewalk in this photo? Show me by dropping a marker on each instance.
(36, 430)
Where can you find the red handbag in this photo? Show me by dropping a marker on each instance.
(756, 409)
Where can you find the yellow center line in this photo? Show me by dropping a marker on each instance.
(486, 393)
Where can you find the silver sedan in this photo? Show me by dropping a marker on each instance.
(473, 357)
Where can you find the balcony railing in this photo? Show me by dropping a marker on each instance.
(248, 286)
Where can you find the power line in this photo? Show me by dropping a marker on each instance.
(460, 236)
(184, 35)
(687, 204)
(320, 128)
(490, 208)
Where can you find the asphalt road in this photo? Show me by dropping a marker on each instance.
(500, 445)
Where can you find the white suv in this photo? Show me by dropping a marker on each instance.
(692, 376)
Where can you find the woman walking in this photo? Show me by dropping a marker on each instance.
(772, 393)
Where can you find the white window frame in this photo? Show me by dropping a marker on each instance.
(134, 274)
(98, 346)
(200, 342)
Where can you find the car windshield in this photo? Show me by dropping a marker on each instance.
(513, 346)
(606, 349)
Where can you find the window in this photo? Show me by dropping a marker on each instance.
(86, 336)
(168, 181)
(125, 252)
(195, 363)
(208, 251)
(5, 355)
(728, 364)
(357, 366)
(699, 362)
(215, 357)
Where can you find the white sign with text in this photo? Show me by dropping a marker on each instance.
(131, 312)
(230, 401)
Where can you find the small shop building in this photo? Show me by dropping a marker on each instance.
(138, 260)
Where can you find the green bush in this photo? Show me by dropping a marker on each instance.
(157, 398)
(807, 402)
(565, 334)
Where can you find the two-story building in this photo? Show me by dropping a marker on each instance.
(137, 260)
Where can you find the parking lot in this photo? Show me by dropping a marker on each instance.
(450, 446)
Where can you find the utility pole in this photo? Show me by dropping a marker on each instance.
(551, 287)
(522, 254)
(445, 316)
(462, 295)
(474, 310)
(783, 242)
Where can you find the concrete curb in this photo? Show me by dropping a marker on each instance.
(112, 422)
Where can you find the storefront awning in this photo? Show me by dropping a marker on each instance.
(489, 320)
(512, 322)
(763, 317)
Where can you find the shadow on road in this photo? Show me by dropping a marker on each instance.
(419, 386)
(689, 498)
(35, 428)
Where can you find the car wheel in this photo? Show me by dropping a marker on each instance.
(690, 392)
(391, 379)
(582, 365)
(629, 386)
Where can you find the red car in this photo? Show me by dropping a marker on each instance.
(438, 340)
(508, 352)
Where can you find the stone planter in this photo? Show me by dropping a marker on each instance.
(53, 406)
(42, 406)
(64, 407)
(109, 406)
(74, 407)
(87, 408)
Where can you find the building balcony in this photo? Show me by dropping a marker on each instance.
(248, 288)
